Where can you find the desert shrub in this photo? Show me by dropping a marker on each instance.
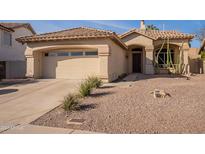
(94, 81)
(203, 55)
(85, 88)
(70, 102)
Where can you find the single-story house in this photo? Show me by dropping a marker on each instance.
(12, 57)
(79, 52)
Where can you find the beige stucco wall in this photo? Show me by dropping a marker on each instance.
(103, 65)
(118, 61)
(136, 39)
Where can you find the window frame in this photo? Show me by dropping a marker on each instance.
(77, 52)
(90, 54)
(84, 53)
(3, 41)
(163, 54)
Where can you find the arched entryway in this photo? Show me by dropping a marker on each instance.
(136, 58)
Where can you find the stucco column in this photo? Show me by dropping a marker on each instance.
(185, 60)
(30, 66)
(185, 56)
(104, 53)
(29, 63)
(149, 57)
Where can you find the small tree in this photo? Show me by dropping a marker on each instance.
(200, 34)
(151, 27)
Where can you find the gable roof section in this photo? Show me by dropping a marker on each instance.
(157, 35)
(73, 34)
(6, 28)
(17, 25)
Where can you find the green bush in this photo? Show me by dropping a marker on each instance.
(70, 102)
(95, 81)
(203, 55)
(85, 88)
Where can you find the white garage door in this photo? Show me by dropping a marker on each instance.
(70, 65)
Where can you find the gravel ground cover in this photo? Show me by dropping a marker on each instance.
(128, 107)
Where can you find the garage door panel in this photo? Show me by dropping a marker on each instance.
(70, 68)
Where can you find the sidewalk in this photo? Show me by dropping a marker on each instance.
(34, 129)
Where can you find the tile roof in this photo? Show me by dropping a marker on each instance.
(157, 34)
(13, 25)
(72, 34)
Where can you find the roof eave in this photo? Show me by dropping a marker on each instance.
(6, 28)
(26, 25)
(113, 37)
(122, 44)
(134, 31)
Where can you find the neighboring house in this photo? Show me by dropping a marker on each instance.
(79, 52)
(12, 53)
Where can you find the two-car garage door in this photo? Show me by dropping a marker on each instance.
(70, 65)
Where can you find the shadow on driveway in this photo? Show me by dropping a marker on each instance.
(10, 82)
(7, 91)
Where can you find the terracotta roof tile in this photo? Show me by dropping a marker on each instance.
(73, 33)
(157, 34)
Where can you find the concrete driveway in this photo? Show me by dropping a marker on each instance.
(24, 102)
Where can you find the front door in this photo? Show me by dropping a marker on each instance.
(136, 61)
(2, 70)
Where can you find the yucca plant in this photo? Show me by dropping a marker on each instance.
(95, 81)
(70, 102)
(85, 88)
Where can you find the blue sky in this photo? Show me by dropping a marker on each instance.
(118, 26)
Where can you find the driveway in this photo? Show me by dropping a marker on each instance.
(24, 102)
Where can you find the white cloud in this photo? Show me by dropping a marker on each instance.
(111, 24)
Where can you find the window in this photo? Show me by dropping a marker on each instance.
(91, 53)
(162, 59)
(63, 53)
(76, 53)
(52, 54)
(7, 39)
(73, 53)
